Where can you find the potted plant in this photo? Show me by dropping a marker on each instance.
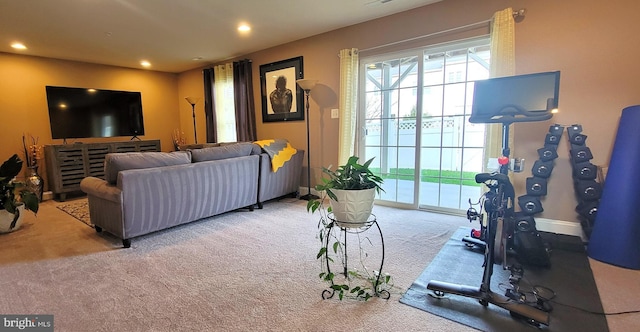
(340, 187)
(13, 201)
(351, 189)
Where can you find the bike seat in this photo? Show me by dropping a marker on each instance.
(495, 176)
(499, 178)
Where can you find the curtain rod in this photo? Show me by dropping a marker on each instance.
(518, 16)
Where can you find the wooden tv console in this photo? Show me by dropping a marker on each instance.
(68, 164)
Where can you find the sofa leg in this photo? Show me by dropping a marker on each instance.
(251, 207)
(98, 229)
(260, 205)
(126, 243)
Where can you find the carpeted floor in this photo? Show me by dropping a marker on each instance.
(459, 264)
(241, 271)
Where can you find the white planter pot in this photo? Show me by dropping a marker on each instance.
(6, 218)
(353, 207)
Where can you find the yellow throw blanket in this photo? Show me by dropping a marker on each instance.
(279, 151)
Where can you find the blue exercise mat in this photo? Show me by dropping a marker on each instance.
(615, 238)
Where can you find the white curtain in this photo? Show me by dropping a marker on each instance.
(503, 63)
(348, 104)
(225, 109)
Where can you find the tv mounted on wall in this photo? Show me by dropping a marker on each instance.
(521, 98)
(89, 113)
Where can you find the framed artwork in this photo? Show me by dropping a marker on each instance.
(282, 98)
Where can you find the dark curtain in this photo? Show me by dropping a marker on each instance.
(244, 105)
(209, 105)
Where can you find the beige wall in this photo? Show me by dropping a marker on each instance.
(591, 42)
(23, 100)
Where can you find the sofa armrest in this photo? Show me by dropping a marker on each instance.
(93, 186)
(283, 182)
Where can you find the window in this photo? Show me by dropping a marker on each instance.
(415, 107)
(225, 108)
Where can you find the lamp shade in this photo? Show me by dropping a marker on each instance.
(307, 84)
(192, 100)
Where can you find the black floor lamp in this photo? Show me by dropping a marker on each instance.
(193, 101)
(307, 85)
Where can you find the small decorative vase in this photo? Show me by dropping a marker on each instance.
(6, 219)
(34, 182)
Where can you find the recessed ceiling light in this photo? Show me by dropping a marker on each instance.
(18, 46)
(197, 58)
(145, 63)
(244, 27)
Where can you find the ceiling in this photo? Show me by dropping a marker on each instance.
(174, 36)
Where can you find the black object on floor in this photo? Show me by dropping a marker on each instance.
(569, 276)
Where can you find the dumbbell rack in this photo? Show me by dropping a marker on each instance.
(584, 174)
(588, 190)
(527, 241)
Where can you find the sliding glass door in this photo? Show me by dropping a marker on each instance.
(415, 107)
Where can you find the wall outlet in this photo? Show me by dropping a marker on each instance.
(335, 113)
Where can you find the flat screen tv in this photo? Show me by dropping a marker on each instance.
(520, 98)
(88, 113)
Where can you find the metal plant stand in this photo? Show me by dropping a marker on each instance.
(345, 227)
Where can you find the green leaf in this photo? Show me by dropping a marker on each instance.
(10, 206)
(332, 195)
(11, 167)
(30, 201)
(335, 246)
(330, 259)
(321, 253)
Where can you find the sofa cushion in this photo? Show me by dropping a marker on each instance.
(256, 148)
(116, 162)
(186, 147)
(222, 152)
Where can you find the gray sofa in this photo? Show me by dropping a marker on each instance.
(144, 192)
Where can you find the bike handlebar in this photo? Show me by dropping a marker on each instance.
(511, 114)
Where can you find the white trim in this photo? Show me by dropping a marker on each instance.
(560, 227)
(542, 224)
(303, 191)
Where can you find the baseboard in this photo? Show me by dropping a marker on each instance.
(542, 224)
(47, 195)
(560, 227)
(304, 190)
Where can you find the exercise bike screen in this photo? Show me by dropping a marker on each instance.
(513, 97)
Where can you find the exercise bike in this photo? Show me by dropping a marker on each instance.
(497, 221)
(499, 207)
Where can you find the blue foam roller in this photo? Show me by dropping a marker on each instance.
(615, 237)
